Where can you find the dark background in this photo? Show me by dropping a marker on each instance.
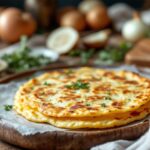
(61, 3)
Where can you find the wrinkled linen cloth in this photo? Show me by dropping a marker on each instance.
(143, 143)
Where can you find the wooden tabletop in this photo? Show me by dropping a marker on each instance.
(5, 146)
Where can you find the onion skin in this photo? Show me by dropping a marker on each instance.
(97, 39)
(2, 9)
(134, 29)
(74, 19)
(64, 11)
(86, 5)
(14, 24)
(98, 18)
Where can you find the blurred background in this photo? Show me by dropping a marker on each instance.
(44, 33)
(62, 3)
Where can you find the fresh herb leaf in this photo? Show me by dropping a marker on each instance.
(103, 105)
(78, 85)
(126, 46)
(108, 92)
(22, 60)
(88, 104)
(46, 83)
(111, 55)
(8, 107)
(108, 95)
(85, 55)
(75, 53)
(108, 98)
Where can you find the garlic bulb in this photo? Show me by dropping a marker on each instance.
(134, 29)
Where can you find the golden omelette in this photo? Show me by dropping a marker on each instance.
(84, 98)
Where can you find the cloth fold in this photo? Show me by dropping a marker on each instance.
(143, 143)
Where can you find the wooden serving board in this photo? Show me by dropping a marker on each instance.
(68, 139)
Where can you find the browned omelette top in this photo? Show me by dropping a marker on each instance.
(85, 92)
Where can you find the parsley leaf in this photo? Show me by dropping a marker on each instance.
(46, 83)
(103, 105)
(85, 55)
(8, 107)
(78, 85)
(22, 60)
(108, 98)
(88, 104)
(110, 55)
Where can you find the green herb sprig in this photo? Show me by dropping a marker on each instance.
(112, 55)
(103, 105)
(78, 85)
(22, 60)
(85, 55)
(46, 83)
(88, 104)
(8, 107)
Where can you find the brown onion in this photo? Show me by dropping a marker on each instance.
(61, 12)
(98, 18)
(14, 24)
(74, 19)
(2, 9)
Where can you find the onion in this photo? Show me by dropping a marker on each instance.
(134, 29)
(14, 24)
(74, 19)
(86, 5)
(2, 9)
(98, 18)
(61, 12)
(97, 39)
(120, 13)
(62, 40)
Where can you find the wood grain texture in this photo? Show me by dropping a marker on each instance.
(140, 54)
(71, 140)
(68, 139)
(6, 146)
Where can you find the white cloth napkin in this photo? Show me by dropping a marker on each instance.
(143, 143)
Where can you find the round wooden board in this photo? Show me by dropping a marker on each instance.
(68, 139)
